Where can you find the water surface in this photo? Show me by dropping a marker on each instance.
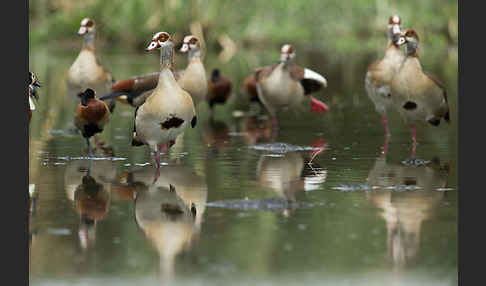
(357, 217)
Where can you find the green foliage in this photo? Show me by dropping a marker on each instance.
(341, 26)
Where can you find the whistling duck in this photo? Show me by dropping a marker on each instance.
(284, 85)
(135, 90)
(33, 83)
(380, 73)
(86, 72)
(418, 95)
(219, 89)
(91, 116)
(168, 110)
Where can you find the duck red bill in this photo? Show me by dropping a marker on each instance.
(318, 106)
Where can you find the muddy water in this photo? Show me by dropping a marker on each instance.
(319, 204)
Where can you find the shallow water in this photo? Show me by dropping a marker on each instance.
(360, 218)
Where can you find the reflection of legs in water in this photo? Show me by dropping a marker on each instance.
(274, 128)
(414, 140)
(385, 145)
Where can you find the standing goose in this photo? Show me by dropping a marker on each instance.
(219, 89)
(91, 116)
(418, 95)
(168, 110)
(33, 83)
(284, 85)
(135, 90)
(86, 72)
(381, 72)
(193, 78)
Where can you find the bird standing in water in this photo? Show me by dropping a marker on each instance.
(33, 83)
(86, 72)
(419, 96)
(168, 111)
(380, 74)
(284, 85)
(91, 116)
(219, 89)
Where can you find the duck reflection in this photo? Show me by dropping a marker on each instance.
(256, 129)
(216, 133)
(291, 172)
(88, 184)
(92, 203)
(169, 211)
(404, 211)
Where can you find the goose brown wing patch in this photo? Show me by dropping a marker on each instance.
(436, 80)
(146, 82)
(264, 72)
(123, 85)
(296, 72)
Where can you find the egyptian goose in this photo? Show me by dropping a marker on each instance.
(86, 72)
(91, 116)
(284, 85)
(168, 110)
(219, 89)
(418, 95)
(193, 78)
(135, 90)
(33, 83)
(380, 73)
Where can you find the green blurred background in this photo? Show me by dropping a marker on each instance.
(332, 26)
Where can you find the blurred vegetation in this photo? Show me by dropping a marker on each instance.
(333, 26)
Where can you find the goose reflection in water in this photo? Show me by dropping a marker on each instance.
(404, 211)
(255, 129)
(291, 172)
(169, 211)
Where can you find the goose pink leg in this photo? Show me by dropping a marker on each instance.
(385, 124)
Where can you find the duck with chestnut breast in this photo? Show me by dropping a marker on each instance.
(86, 72)
(33, 84)
(135, 90)
(380, 73)
(219, 89)
(168, 110)
(284, 85)
(418, 95)
(91, 116)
